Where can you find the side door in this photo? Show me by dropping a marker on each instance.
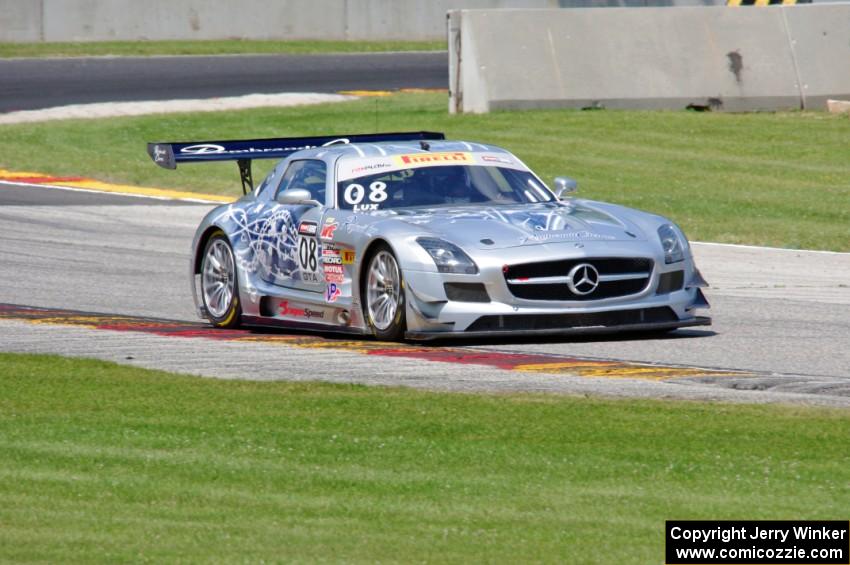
(300, 241)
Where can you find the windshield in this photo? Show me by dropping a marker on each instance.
(440, 186)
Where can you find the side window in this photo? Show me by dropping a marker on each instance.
(267, 182)
(308, 174)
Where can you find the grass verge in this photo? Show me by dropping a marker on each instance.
(225, 47)
(780, 179)
(105, 463)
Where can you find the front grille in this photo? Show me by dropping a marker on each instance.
(466, 292)
(670, 282)
(529, 322)
(604, 265)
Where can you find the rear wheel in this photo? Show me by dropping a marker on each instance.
(219, 285)
(383, 295)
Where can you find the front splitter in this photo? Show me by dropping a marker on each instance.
(586, 330)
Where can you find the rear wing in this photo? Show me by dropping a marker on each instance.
(243, 151)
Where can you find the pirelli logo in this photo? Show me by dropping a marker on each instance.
(433, 158)
(766, 2)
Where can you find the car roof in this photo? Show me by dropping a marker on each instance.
(366, 150)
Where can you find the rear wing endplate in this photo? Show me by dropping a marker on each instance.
(168, 154)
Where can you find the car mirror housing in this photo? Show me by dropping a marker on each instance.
(564, 186)
(297, 196)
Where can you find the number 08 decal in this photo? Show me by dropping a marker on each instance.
(308, 259)
(355, 193)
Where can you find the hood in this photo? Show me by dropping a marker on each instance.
(526, 224)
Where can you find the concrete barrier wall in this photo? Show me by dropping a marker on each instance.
(820, 40)
(103, 20)
(723, 58)
(20, 21)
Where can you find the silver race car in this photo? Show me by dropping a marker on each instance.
(406, 235)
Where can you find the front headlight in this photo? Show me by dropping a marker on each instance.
(448, 257)
(673, 243)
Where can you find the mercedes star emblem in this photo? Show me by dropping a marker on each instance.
(584, 278)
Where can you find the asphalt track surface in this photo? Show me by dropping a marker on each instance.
(781, 317)
(31, 84)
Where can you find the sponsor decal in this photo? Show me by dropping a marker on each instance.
(332, 293)
(334, 274)
(203, 149)
(308, 228)
(330, 252)
(371, 167)
(212, 148)
(434, 158)
(569, 235)
(159, 154)
(328, 231)
(310, 277)
(361, 167)
(331, 260)
(330, 220)
(348, 257)
(495, 159)
(287, 309)
(354, 228)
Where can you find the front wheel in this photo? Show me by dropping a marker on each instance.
(383, 295)
(219, 285)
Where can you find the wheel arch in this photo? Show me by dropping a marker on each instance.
(369, 252)
(364, 264)
(202, 244)
(232, 316)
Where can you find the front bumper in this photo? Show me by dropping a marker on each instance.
(431, 314)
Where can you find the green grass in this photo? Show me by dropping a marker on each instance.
(101, 463)
(225, 47)
(780, 179)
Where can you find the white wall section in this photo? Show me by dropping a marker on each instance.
(104, 20)
(722, 58)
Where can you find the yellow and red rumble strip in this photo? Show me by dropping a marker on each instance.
(384, 93)
(538, 363)
(83, 183)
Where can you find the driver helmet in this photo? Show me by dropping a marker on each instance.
(452, 182)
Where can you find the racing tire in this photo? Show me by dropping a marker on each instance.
(219, 283)
(383, 294)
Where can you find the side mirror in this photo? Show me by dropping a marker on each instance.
(564, 186)
(297, 196)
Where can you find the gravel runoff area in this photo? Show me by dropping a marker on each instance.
(116, 109)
